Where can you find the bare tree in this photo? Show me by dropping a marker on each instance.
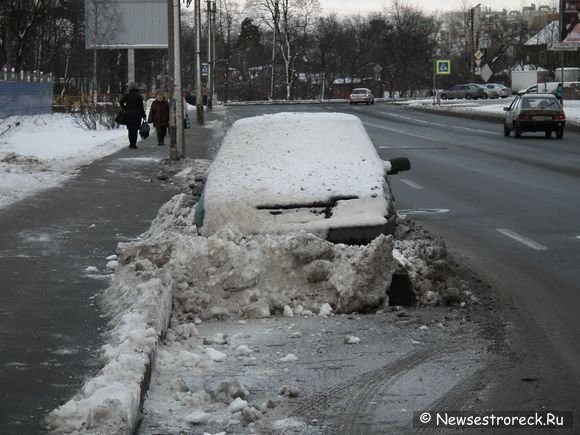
(19, 17)
(227, 20)
(103, 18)
(291, 21)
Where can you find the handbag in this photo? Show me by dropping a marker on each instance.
(144, 130)
(121, 117)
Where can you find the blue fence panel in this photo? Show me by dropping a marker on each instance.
(24, 98)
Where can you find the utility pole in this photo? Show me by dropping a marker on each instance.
(213, 58)
(275, 18)
(209, 56)
(171, 81)
(177, 92)
(198, 86)
(472, 41)
(176, 136)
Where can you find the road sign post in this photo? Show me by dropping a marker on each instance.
(442, 67)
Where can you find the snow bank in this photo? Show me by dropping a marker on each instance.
(39, 152)
(171, 275)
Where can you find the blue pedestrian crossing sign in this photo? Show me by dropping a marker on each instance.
(204, 69)
(443, 67)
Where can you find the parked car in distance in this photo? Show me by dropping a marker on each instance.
(468, 91)
(291, 172)
(361, 95)
(534, 112)
(496, 90)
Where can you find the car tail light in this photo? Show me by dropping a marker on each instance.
(559, 117)
(524, 117)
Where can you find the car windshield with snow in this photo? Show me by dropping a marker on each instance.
(288, 172)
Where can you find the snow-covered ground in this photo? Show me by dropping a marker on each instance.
(39, 152)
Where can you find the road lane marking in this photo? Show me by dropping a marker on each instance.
(422, 121)
(523, 240)
(403, 132)
(411, 183)
(421, 211)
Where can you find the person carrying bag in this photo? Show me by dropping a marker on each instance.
(132, 104)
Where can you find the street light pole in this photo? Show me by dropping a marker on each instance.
(198, 87)
(177, 94)
(209, 56)
(472, 40)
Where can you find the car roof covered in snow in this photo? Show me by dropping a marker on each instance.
(295, 160)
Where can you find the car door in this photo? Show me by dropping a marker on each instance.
(512, 112)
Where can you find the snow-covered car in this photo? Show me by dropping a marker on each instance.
(361, 95)
(496, 90)
(287, 172)
(534, 112)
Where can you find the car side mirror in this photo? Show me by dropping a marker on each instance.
(396, 165)
(505, 109)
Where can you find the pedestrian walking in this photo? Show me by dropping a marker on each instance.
(132, 104)
(159, 116)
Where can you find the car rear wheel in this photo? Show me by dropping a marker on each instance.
(443, 96)
(548, 133)
(506, 130)
(518, 132)
(560, 133)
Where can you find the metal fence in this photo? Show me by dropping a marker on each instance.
(25, 93)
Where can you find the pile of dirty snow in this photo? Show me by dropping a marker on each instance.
(173, 277)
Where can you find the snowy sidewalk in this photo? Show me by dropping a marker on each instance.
(54, 247)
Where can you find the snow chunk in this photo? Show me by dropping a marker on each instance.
(289, 357)
(215, 355)
(288, 312)
(112, 265)
(351, 339)
(198, 417)
(325, 310)
(237, 405)
(92, 269)
(243, 350)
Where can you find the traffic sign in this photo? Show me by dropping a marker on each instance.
(485, 73)
(478, 54)
(443, 67)
(204, 69)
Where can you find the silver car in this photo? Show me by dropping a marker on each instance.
(496, 90)
(468, 91)
(361, 95)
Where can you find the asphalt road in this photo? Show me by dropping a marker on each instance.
(510, 208)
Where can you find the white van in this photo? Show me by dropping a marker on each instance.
(287, 172)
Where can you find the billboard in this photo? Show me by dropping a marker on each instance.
(122, 24)
(570, 18)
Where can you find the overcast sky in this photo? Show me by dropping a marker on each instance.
(366, 6)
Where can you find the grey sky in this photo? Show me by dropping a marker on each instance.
(347, 7)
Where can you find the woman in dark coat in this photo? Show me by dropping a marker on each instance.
(132, 104)
(159, 116)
